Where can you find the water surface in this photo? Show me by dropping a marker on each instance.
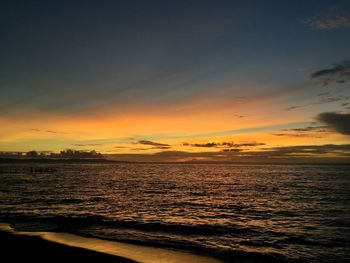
(233, 212)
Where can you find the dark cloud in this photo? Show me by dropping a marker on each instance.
(206, 145)
(307, 150)
(329, 22)
(294, 107)
(308, 129)
(323, 98)
(303, 132)
(339, 73)
(223, 144)
(339, 122)
(289, 154)
(89, 144)
(239, 116)
(152, 148)
(232, 150)
(346, 105)
(290, 134)
(161, 147)
(49, 131)
(250, 144)
(145, 142)
(155, 146)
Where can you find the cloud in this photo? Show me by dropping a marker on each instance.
(152, 148)
(338, 73)
(232, 150)
(329, 22)
(308, 131)
(223, 144)
(294, 107)
(275, 152)
(250, 144)
(322, 99)
(88, 144)
(285, 154)
(206, 145)
(346, 105)
(340, 122)
(49, 131)
(308, 150)
(145, 142)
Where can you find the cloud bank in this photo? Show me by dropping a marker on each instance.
(285, 154)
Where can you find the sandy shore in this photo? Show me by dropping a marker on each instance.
(55, 247)
(19, 248)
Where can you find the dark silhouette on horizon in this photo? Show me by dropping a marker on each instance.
(65, 154)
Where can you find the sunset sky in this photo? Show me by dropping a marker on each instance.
(177, 80)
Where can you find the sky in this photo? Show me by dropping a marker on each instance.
(264, 81)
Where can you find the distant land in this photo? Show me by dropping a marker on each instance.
(66, 156)
(50, 160)
(76, 156)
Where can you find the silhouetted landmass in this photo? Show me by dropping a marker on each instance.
(49, 160)
(66, 156)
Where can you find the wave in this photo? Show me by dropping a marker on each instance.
(66, 222)
(73, 224)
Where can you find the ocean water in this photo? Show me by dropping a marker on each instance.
(238, 213)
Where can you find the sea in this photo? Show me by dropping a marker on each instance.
(233, 212)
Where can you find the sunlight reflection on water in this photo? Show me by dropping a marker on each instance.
(297, 212)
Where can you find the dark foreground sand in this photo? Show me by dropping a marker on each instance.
(19, 248)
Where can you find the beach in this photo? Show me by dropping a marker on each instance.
(43, 246)
(19, 248)
(173, 212)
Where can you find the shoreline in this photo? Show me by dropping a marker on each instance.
(56, 247)
(20, 248)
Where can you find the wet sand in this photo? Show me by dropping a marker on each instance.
(19, 248)
(57, 247)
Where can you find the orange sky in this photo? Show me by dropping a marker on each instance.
(212, 79)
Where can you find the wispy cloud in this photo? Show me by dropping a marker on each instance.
(322, 99)
(223, 144)
(151, 148)
(346, 105)
(146, 142)
(49, 131)
(338, 73)
(239, 116)
(307, 150)
(329, 22)
(88, 144)
(308, 131)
